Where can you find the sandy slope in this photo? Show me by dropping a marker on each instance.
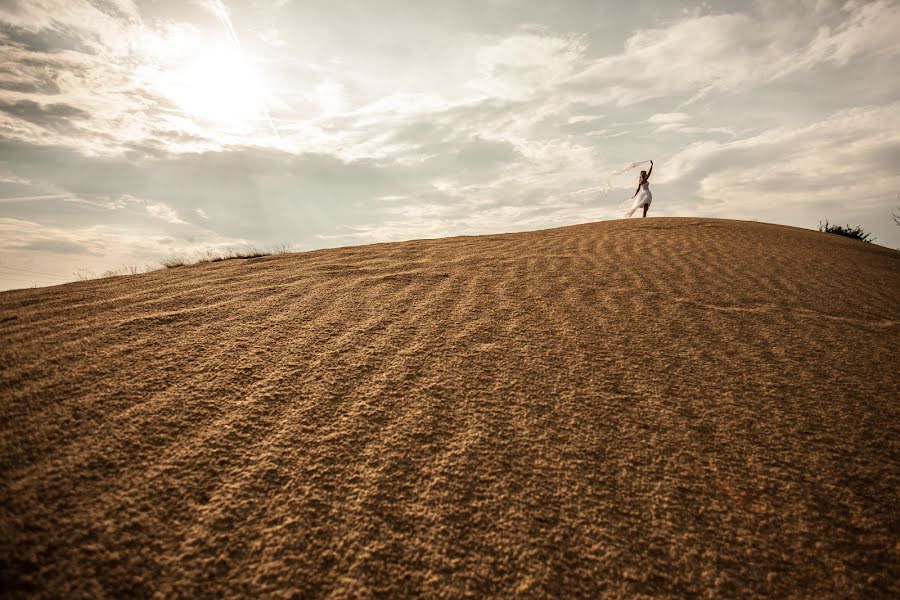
(660, 406)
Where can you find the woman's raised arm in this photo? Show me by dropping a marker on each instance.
(651, 170)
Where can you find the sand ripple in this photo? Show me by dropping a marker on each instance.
(677, 407)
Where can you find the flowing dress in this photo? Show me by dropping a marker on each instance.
(644, 198)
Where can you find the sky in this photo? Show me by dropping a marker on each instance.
(132, 131)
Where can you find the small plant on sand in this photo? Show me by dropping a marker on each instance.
(231, 253)
(247, 252)
(211, 256)
(856, 233)
(182, 261)
(174, 261)
(129, 270)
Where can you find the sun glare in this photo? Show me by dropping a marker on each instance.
(213, 83)
(218, 86)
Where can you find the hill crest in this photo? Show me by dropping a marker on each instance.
(670, 406)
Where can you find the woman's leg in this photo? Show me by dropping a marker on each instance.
(646, 207)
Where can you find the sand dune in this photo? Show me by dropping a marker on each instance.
(676, 407)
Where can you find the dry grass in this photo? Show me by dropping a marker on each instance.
(655, 407)
(174, 261)
(129, 270)
(242, 252)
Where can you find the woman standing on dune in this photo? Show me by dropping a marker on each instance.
(643, 188)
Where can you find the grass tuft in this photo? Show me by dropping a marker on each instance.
(129, 270)
(235, 253)
(209, 256)
(173, 261)
(241, 252)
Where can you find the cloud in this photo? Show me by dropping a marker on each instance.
(679, 122)
(520, 65)
(164, 212)
(583, 119)
(848, 158)
(117, 242)
(725, 52)
(29, 72)
(870, 28)
(249, 192)
(95, 89)
(43, 40)
(102, 60)
(50, 116)
(482, 125)
(57, 251)
(464, 181)
(95, 26)
(129, 76)
(18, 234)
(669, 118)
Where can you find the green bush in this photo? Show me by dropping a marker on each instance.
(856, 233)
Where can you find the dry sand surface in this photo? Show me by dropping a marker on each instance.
(664, 406)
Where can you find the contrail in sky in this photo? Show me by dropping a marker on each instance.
(29, 198)
(221, 11)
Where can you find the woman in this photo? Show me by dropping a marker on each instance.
(645, 196)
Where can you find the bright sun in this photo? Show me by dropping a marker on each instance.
(217, 85)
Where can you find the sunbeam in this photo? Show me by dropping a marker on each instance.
(221, 11)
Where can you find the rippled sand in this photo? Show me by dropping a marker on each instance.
(663, 406)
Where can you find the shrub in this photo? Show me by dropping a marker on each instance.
(856, 233)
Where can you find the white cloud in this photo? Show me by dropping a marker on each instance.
(871, 28)
(724, 52)
(100, 240)
(678, 123)
(402, 104)
(138, 81)
(104, 22)
(109, 202)
(584, 119)
(520, 65)
(667, 118)
(850, 158)
(164, 212)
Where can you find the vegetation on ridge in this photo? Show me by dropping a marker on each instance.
(856, 233)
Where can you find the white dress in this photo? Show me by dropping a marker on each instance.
(644, 198)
